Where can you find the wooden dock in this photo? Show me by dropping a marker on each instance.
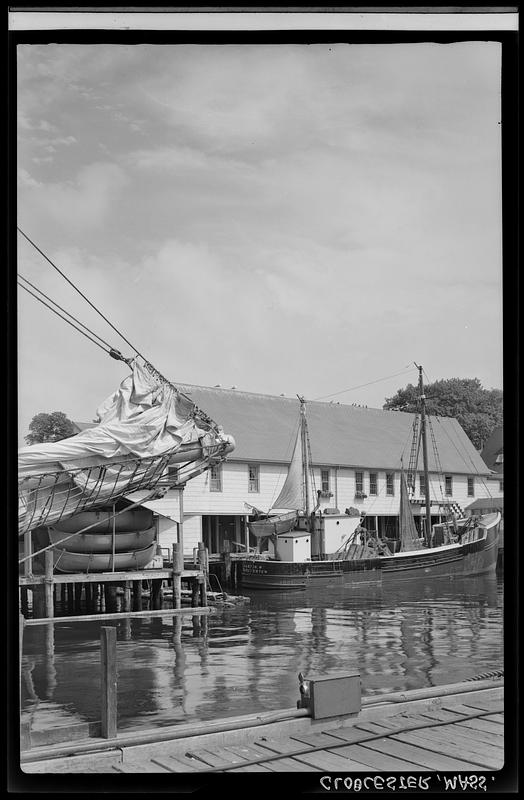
(455, 728)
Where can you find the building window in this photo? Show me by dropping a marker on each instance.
(422, 485)
(254, 472)
(501, 486)
(359, 482)
(373, 483)
(449, 485)
(390, 483)
(500, 458)
(471, 487)
(172, 474)
(324, 481)
(215, 478)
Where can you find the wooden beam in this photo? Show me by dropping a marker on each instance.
(108, 682)
(165, 612)
(101, 577)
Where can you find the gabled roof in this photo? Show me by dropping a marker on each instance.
(264, 428)
(494, 503)
(494, 449)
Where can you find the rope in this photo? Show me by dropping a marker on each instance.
(61, 309)
(78, 290)
(64, 318)
(497, 673)
(362, 385)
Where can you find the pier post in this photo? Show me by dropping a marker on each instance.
(202, 561)
(127, 596)
(226, 555)
(78, 597)
(49, 605)
(137, 595)
(70, 609)
(177, 581)
(195, 591)
(28, 565)
(24, 605)
(108, 681)
(156, 594)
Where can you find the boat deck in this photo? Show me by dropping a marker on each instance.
(463, 732)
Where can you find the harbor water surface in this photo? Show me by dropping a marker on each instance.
(246, 658)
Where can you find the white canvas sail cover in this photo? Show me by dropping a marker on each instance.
(144, 418)
(144, 425)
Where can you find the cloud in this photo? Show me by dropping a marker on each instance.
(81, 204)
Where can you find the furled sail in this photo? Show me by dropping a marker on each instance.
(291, 495)
(144, 426)
(409, 537)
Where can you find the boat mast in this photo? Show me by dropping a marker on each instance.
(305, 466)
(422, 398)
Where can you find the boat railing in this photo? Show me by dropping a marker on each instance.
(49, 497)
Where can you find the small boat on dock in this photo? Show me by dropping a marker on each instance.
(91, 543)
(69, 561)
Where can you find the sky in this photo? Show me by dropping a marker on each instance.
(278, 218)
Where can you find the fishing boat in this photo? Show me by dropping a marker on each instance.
(331, 548)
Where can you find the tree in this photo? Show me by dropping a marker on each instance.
(49, 428)
(478, 410)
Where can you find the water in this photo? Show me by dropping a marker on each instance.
(247, 658)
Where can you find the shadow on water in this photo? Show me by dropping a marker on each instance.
(247, 658)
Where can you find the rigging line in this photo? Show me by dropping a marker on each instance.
(78, 290)
(62, 317)
(63, 309)
(362, 385)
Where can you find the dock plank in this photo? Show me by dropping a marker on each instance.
(331, 762)
(251, 768)
(289, 765)
(354, 734)
(285, 746)
(442, 715)
(418, 755)
(216, 757)
(381, 761)
(140, 765)
(461, 708)
(448, 745)
(179, 763)
(373, 727)
(483, 735)
(249, 752)
(315, 739)
(494, 718)
(487, 704)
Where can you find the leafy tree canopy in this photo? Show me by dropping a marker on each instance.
(478, 410)
(49, 428)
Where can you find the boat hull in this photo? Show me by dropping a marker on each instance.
(66, 561)
(475, 555)
(102, 542)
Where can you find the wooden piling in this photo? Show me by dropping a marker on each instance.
(38, 601)
(137, 595)
(202, 561)
(127, 596)
(195, 592)
(226, 555)
(108, 682)
(24, 604)
(111, 598)
(177, 582)
(21, 623)
(48, 586)
(70, 600)
(78, 597)
(156, 594)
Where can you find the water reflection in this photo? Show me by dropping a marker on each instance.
(247, 658)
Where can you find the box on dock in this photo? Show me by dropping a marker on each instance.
(334, 695)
